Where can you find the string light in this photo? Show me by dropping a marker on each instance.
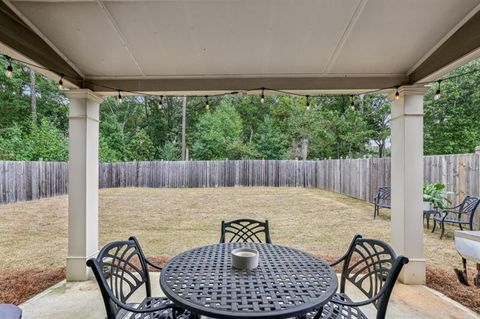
(437, 95)
(60, 83)
(207, 106)
(9, 70)
(9, 74)
(352, 104)
(308, 102)
(160, 106)
(119, 98)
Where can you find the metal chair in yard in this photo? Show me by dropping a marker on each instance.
(382, 200)
(373, 267)
(245, 230)
(461, 215)
(121, 269)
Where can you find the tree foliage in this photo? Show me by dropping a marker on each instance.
(236, 126)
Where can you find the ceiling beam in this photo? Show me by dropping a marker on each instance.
(193, 85)
(15, 34)
(463, 42)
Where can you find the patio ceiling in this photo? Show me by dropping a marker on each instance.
(197, 46)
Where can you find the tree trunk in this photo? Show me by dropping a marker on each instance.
(184, 124)
(33, 96)
(304, 148)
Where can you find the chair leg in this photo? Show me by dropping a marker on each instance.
(428, 221)
(375, 212)
(442, 226)
(461, 227)
(434, 226)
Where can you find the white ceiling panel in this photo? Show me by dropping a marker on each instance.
(215, 38)
(82, 32)
(391, 35)
(232, 37)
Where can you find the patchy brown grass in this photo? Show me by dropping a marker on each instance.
(169, 221)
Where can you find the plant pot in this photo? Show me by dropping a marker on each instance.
(427, 206)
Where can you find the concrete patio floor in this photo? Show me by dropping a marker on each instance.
(83, 300)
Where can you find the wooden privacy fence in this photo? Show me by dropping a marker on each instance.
(359, 178)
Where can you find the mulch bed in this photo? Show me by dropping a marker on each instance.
(446, 282)
(18, 286)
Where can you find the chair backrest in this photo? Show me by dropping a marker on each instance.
(120, 270)
(373, 267)
(383, 194)
(469, 206)
(245, 230)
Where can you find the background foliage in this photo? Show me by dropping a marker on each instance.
(235, 126)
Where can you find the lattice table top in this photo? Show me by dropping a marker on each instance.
(286, 283)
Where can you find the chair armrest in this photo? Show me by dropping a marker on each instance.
(357, 303)
(341, 259)
(452, 208)
(153, 265)
(146, 310)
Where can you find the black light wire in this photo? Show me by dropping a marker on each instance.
(138, 93)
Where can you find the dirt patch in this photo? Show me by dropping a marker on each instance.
(18, 286)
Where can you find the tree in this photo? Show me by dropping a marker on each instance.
(170, 151)
(271, 142)
(376, 110)
(140, 147)
(216, 132)
(48, 143)
(451, 124)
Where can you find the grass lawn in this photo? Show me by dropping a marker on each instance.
(169, 221)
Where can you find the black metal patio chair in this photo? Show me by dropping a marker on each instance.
(382, 200)
(460, 215)
(245, 230)
(121, 269)
(373, 267)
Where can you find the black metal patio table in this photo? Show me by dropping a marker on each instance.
(287, 282)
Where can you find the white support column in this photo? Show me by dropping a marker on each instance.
(407, 181)
(82, 182)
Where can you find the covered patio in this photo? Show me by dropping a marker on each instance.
(203, 48)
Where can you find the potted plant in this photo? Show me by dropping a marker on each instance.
(434, 196)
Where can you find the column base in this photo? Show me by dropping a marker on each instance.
(414, 273)
(77, 269)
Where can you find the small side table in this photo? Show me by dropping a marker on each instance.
(426, 215)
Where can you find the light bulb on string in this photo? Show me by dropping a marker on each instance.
(437, 95)
(119, 98)
(207, 106)
(262, 98)
(352, 104)
(9, 70)
(397, 94)
(308, 103)
(60, 83)
(160, 106)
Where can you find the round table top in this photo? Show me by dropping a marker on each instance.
(287, 282)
